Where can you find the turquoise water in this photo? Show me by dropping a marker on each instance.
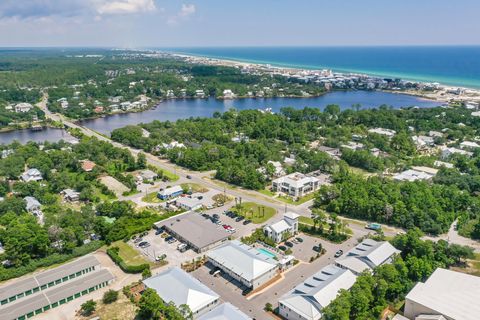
(267, 253)
(450, 65)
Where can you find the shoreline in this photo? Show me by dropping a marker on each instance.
(470, 94)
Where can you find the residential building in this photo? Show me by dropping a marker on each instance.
(295, 184)
(228, 94)
(31, 175)
(171, 192)
(147, 176)
(353, 145)
(6, 153)
(384, 132)
(416, 173)
(23, 107)
(199, 94)
(278, 169)
(32, 204)
(367, 255)
(283, 229)
(178, 287)
(225, 311)
(87, 165)
(335, 153)
(307, 300)
(197, 232)
(453, 295)
(247, 265)
(469, 145)
(70, 195)
(440, 164)
(448, 152)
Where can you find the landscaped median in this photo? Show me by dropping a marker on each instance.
(335, 230)
(254, 212)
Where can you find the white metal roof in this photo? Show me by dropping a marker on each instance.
(367, 255)
(243, 260)
(315, 293)
(296, 180)
(452, 294)
(177, 286)
(225, 311)
(279, 226)
(170, 191)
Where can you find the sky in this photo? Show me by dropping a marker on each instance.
(193, 23)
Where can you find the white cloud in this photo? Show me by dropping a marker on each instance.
(185, 12)
(124, 6)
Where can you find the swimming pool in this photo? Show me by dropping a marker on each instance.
(267, 253)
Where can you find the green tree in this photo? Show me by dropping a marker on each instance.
(110, 296)
(88, 307)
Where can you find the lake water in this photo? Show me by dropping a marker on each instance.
(181, 109)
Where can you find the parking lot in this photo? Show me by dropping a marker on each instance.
(158, 246)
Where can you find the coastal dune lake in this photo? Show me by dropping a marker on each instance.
(182, 109)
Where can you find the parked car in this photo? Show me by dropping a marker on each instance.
(239, 218)
(299, 239)
(189, 176)
(373, 226)
(317, 248)
(161, 257)
(338, 253)
(247, 222)
(215, 216)
(214, 270)
(283, 248)
(182, 247)
(288, 244)
(137, 240)
(168, 238)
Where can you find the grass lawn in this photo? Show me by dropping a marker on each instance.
(250, 210)
(152, 198)
(267, 192)
(303, 199)
(170, 175)
(128, 254)
(195, 187)
(305, 220)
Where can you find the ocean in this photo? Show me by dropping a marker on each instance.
(449, 65)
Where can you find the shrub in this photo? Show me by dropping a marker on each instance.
(268, 307)
(88, 307)
(110, 296)
(113, 254)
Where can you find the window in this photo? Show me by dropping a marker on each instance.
(43, 287)
(46, 308)
(20, 295)
(55, 304)
(62, 301)
(4, 301)
(77, 295)
(58, 281)
(84, 292)
(65, 278)
(38, 311)
(51, 284)
(12, 298)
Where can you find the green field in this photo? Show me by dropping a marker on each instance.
(255, 212)
(128, 254)
(152, 198)
(195, 187)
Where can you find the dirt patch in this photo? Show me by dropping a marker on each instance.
(114, 185)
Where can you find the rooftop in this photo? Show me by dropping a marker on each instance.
(452, 294)
(18, 286)
(188, 290)
(243, 260)
(296, 179)
(315, 293)
(225, 311)
(195, 229)
(367, 255)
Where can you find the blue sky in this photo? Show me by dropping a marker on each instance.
(172, 23)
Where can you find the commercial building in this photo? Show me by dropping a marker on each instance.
(54, 297)
(295, 184)
(367, 255)
(225, 311)
(446, 293)
(178, 287)
(171, 192)
(23, 107)
(188, 203)
(283, 229)
(196, 231)
(21, 299)
(247, 265)
(307, 300)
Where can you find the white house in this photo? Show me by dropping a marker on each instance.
(307, 300)
(469, 145)
(416, 173)
(453, 295)
(448, 152)
(23, 107)
(225, 311)
(384, 132)
(171, 192)
(245, 264)
(367, 255)
(176, 286)
(31, 175)
(295, 184)
(281, 229)
(228, 94)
